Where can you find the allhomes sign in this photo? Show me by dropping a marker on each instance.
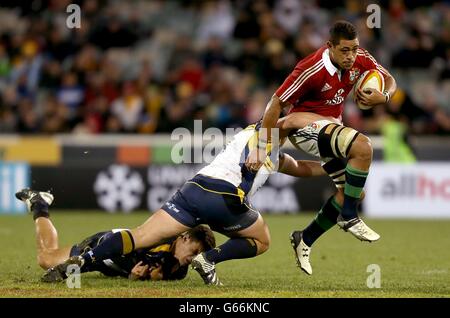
(417, 191)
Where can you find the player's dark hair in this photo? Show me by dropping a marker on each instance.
(204, 235)
(342, 30)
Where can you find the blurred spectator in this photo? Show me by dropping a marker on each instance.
(58, 47)
(28, 119)
(113, 34)
(27, 67)
(396, 147)
(288, 14)
(177, 111)
(55, 116)
(71, 94)
(129, 108)
(5, 65)
(216, 20)
(214, 53)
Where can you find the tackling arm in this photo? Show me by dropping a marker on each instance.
(271, 115)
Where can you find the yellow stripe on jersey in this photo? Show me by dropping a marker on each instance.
(127, 242)
(250, 127)
(253, 141)
(161, 248)
(251, 241)
(240, 193)
(251, 144)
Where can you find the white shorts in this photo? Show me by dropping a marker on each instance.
(306, 139)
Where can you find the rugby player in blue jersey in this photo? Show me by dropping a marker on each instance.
(168, 260)
(218, 196)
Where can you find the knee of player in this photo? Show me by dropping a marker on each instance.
(264, 243)
(263, 246)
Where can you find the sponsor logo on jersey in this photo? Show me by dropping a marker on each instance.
(337, 98)
(326, 87)
(172, 207)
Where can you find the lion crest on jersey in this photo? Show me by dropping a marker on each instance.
(354, 74)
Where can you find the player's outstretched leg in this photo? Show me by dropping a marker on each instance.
(48, 252)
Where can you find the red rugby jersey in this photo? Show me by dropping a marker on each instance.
(317, 86)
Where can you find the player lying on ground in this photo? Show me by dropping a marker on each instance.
(218, 196)
(166, 261)
(315, 92)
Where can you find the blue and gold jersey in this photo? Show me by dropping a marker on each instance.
(229, 165)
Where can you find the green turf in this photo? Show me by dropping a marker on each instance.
(414, 257)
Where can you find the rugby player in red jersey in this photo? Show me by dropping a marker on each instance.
(315, 92)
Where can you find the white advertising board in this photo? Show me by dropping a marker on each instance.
(420, 190)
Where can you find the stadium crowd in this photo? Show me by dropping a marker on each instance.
(152, 66)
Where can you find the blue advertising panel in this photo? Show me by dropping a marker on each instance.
(13, 177)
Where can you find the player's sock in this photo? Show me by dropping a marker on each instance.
(116, 244)
(325, 220)
(40, 209)
(354, 184)
(234, 248)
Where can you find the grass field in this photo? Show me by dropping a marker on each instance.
(414, 257)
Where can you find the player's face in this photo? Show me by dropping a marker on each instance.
(186, 249)
(344, 53)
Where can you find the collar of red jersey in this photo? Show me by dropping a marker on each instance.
(328, 64)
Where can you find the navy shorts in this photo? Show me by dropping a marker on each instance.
(204, 200)
(87, 245)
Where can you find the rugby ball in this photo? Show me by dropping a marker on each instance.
(368, 79)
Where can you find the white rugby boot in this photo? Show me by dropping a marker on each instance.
(206, 269)
(30, 197)
(302, 251)
(358, 229)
